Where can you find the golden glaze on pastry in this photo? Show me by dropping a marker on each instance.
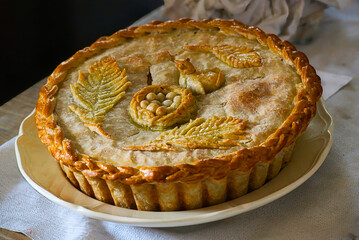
(98, 93)
(276, 100)
(238, 57)
(162, 106)
(215, 133)
(199, 82)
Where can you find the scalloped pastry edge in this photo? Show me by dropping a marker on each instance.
(175, 196)
(63, 150)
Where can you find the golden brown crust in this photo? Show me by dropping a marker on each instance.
(245, 159)
(199, 82)
(215, 133)
(174, 196)
(109, 91)
(237, 57)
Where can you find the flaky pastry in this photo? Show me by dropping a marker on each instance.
(162, 106)
(199, 82)
(176, 144)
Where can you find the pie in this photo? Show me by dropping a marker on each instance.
(177, 115)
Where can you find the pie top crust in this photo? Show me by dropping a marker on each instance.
(194, 99)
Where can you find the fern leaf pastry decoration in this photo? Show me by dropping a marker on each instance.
(237, 57)
(212, 133)
(97, 93)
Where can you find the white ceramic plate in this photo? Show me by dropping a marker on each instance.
(44, 174)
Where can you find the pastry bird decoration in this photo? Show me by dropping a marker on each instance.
(198, 82)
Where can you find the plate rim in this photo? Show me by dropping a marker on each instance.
(215, 216)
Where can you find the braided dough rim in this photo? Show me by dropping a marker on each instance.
(63, 150)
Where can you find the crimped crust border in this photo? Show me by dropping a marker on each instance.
(63, 150)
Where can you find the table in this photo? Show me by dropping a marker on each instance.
(15, 110)
(11, 115)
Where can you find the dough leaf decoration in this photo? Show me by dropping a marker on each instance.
(97, 93)
(237, 57)
(215, 133)
(198, 82)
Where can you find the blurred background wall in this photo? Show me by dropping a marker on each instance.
(37, 35)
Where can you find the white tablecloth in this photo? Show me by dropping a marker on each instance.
(324, 207)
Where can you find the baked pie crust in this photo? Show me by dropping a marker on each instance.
(199, 82)
(243, 98)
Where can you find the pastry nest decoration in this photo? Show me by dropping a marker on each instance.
(199, 82)
(159, 107)
(97, 93)
(215, 133)
(237, 57)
